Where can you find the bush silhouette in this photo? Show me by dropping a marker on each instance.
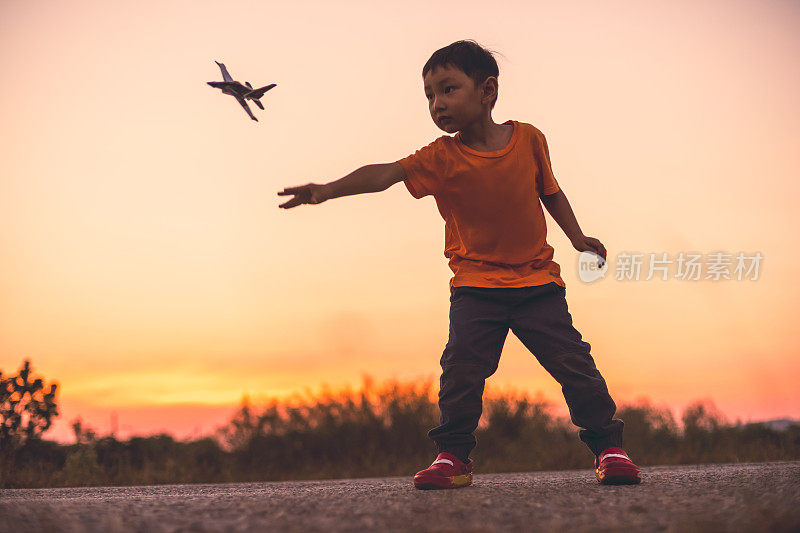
(382, 431)
(346, 434)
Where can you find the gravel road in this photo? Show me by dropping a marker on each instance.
(727, 497)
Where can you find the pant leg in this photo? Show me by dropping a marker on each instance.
(478, 329)
(542, 322)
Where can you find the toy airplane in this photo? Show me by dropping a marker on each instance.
(242, 93)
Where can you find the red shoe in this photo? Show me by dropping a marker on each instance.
(446, 472)
(614, 467)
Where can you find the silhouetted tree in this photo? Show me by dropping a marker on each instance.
(26, 410)
(83, 435)
(702, 416)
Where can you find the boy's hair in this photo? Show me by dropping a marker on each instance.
(467, 55)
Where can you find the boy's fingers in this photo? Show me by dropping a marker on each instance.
(291, 189)
(291, 203)
(596, 246)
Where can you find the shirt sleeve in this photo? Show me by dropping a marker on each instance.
(547, 181)
(424, 169)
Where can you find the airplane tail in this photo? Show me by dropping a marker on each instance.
(255, 100)
(258, 93)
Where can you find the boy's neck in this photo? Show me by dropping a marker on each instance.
(486, 135)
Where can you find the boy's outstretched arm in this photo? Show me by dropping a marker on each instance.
(370, 178)
(558, 207)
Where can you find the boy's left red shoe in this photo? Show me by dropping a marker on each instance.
(614, 467)
(446, 472)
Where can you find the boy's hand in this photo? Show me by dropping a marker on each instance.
(589, 244)
(310, 193)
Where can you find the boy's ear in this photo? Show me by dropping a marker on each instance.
(489, 90)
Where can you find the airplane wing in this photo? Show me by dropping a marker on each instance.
(246, 107)
(258, 93)
(225, 75)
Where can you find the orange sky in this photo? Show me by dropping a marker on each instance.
(146, 267)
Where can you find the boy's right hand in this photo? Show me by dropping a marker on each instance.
(310, 193)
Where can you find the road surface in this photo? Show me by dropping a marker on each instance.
(727, 497)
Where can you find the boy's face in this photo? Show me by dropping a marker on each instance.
(453, 99)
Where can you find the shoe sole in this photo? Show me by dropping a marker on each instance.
(440, 483)
(619, 476)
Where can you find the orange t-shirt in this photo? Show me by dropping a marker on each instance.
(494, 223)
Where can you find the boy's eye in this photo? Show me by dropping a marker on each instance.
(448, 87)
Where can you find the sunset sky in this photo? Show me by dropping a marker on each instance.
(145, 265)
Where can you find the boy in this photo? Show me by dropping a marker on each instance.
(487, 181)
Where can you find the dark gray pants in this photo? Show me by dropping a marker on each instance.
(480, 318)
